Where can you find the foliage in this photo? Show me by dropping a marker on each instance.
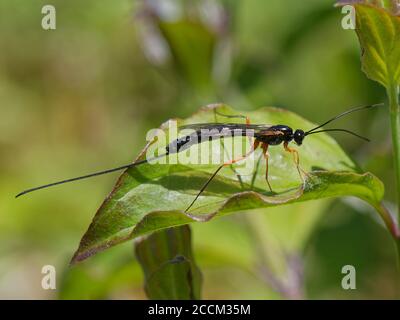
(64, 114)
(130, 210)
(378, 30)
(167, 260)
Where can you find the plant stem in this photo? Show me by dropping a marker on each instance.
(393, 95)
(389, 221)
(391, 225)
(398, 252)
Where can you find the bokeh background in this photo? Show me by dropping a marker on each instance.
(82, 97)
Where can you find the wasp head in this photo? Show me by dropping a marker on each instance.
(298, 136)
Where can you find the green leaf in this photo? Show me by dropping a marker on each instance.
(151, 197)
(379, 34)
(378, 31)
(192, 46)
(167, 261)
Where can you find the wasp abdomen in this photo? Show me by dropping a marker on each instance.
(182, 143)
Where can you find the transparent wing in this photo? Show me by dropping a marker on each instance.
(227, 126)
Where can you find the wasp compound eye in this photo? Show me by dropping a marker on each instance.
(299, 136)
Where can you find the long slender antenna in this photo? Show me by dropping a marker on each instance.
(343, 114)
(94, 174)
(342, 130)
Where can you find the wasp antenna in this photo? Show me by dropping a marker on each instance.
(344, 114)
(340, 130)
(94, 174)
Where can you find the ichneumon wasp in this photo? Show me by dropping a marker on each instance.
(264, 136)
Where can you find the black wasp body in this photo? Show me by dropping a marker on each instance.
(275, 135)
(270, 135)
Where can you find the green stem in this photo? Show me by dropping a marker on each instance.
(393, 95)
(391, 226)
(389, 221)
(398, 252)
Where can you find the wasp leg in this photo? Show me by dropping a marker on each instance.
(247, 119)
(253, 178)
(296, 159)
(228, 163)
(233, 116)
(266, 156)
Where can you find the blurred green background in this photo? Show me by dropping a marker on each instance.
(82, 97)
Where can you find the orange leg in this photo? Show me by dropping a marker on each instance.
(254, 147)
(296, 160)
(266, 156)
(230, 162)
(247, 119)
